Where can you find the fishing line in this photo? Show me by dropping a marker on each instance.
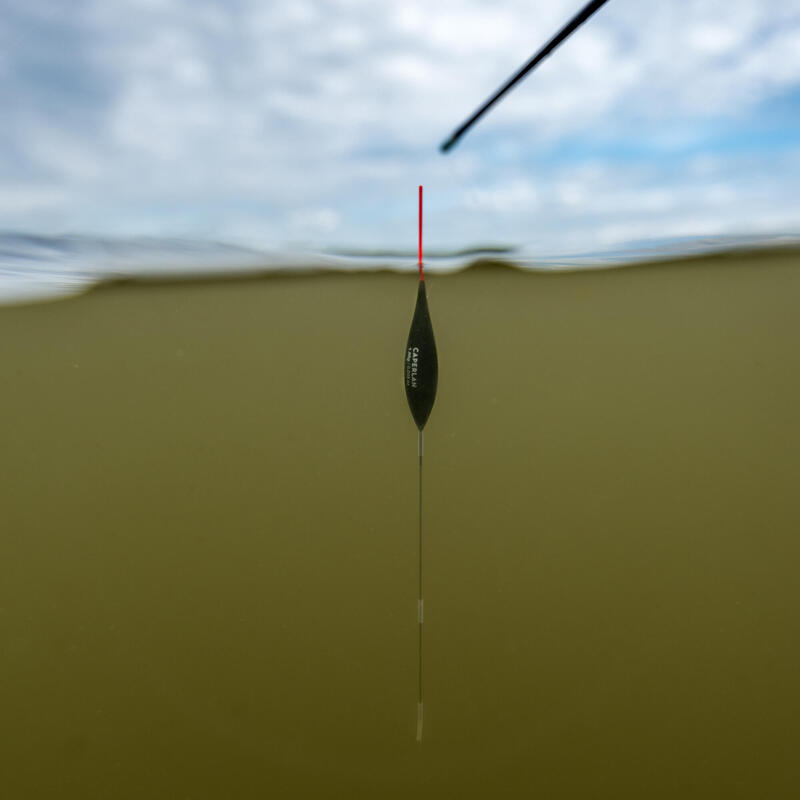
(420, 606)
(563, 34)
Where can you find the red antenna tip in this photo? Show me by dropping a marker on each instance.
(421, 274)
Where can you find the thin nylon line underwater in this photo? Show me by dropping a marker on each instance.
(420, 612)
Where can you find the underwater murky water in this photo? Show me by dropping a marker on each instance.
(208, 549)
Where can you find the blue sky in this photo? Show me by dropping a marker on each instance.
(311, 123)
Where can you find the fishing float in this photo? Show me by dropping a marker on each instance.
(421, 374)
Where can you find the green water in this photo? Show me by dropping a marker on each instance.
(208, 548)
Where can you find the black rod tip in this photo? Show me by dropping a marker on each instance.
(447, 145)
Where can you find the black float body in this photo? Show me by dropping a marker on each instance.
(421, 366)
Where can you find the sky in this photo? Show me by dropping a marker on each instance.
(310, 124)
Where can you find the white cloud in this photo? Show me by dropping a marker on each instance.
(514, 196)
(19, 202)
(313, 221)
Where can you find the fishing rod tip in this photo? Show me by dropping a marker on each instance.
(448, 144)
